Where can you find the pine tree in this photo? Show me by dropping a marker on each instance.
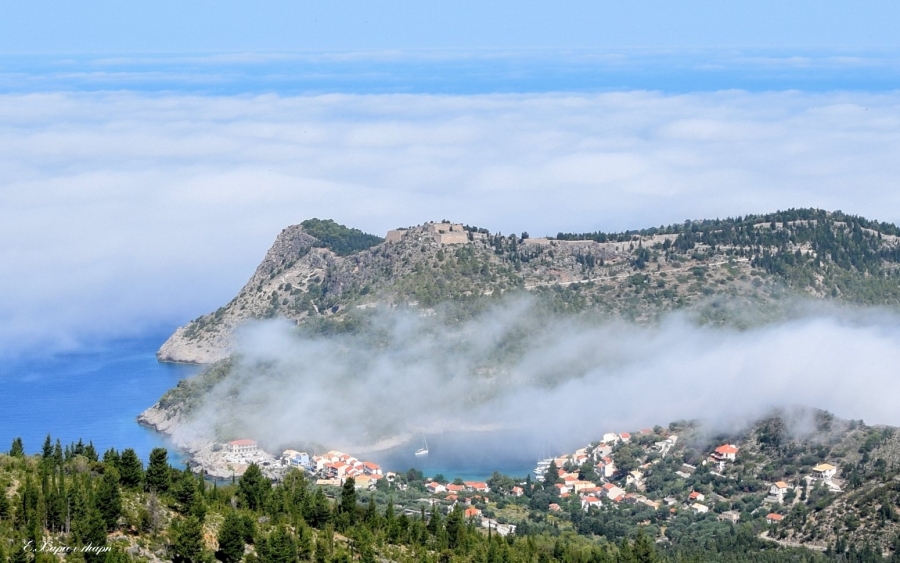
(17, 449)
(279, 547)
(187, 540)
(111, 457)
(231, 539)
(253, 488)
(643, 550)
(317, 512)
(131, 470)
(90, 452)
(158, 478)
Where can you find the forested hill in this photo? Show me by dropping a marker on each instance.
(320, 272)
(665, 499)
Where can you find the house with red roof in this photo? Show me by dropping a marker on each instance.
(774, 518)
(434, 487)
(478, 486)
(370, 468)
(588, 502)
(725, 452)
(472, 512)
(244, 447)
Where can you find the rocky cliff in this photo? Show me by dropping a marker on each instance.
(321, 272)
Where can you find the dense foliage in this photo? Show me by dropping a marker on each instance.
(111, 510)
(338, 238)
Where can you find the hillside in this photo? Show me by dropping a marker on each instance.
(321, 274)
(798, 485)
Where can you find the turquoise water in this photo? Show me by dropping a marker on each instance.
(92, 395)
(467, 455)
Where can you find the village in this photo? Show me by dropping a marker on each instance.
(650, 473)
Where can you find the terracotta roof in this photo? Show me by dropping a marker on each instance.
(775, 516)
(244, 442)
(727, 449)
(781, 485)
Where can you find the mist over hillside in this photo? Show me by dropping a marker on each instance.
(553, 380)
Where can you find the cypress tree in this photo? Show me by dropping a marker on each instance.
(109, 497)
(185, 489)
(158, 478)
(47, 451)
(348, 500)
(4, 505)
(58, 453)
(90, 533)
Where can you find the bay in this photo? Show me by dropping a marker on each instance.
(93, 394)
(96, 394)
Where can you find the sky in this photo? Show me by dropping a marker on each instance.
(149, 154)
(228, 26)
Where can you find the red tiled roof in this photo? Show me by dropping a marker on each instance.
(244, 442)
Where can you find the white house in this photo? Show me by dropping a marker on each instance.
(434, 487)
(588, 502)
(699, 508)
(778, 490)
(725, 452)
(241, 447)
(824, 471)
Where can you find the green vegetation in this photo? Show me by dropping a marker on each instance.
(70, 498)
(340, 239)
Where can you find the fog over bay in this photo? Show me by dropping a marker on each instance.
(553, 382)
(123, 211)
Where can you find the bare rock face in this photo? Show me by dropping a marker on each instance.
(211, 337)
(178, 348)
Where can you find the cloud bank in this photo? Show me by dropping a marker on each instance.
(119, 211)
(548, 380)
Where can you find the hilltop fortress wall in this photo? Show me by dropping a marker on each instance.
(443, 233)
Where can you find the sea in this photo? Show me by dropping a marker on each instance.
(456, 73)
(93, 395)
(97, 393)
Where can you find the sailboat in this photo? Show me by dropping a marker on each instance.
(424, 449)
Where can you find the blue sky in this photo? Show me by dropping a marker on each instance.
(150, 153)
(170, 26)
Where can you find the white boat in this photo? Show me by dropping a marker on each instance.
(424, 449)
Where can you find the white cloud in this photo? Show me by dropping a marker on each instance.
(611, 376)
(120, 209)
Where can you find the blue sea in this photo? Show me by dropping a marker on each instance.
(96, 395)
(93, 395)
(456, 72)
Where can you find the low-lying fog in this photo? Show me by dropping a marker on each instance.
(554, 383)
